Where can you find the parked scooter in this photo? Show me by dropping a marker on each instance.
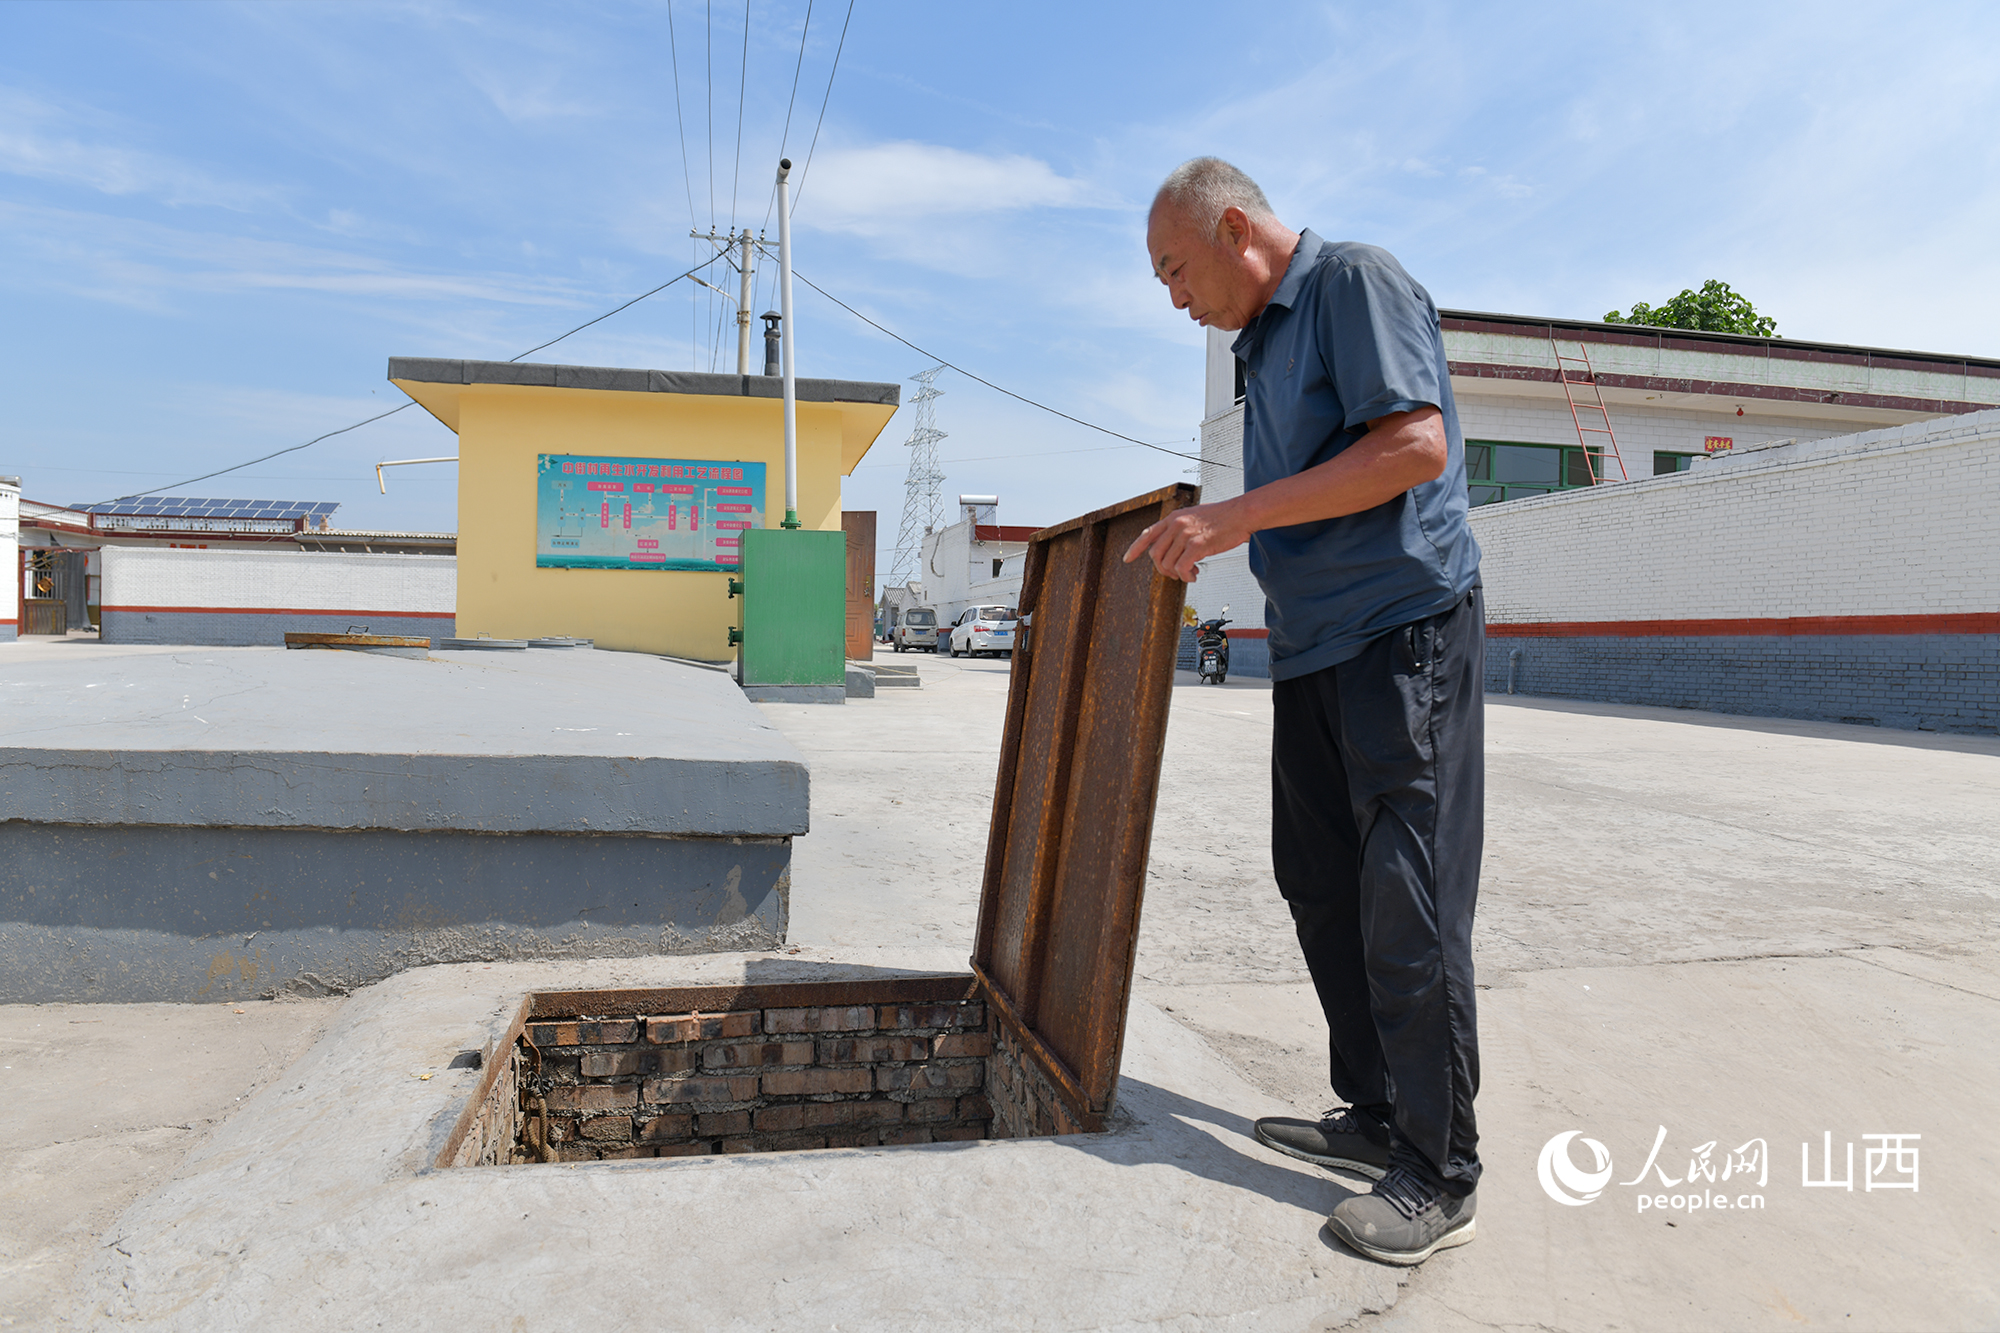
(1211, 649)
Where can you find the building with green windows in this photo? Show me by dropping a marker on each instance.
(1675, 400)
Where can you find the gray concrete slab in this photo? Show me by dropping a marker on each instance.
(527, 742)
(227, 914)
(215, 824)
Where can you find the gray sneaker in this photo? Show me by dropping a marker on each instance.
(1346, 1139)
(1404, 1219)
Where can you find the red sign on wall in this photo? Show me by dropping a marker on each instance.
(1718, 444)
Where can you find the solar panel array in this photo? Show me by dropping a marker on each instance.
(174, 506)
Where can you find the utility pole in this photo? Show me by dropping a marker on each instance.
(746, 267)
(788, 339)
(743, 305)
(923, 505)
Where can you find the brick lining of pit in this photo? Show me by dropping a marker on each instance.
(602, 1075)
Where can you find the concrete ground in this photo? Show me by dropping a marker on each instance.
(101, 1103)
(1725, 929)
(1732, 928)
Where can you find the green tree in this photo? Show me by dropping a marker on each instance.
(1713, 309)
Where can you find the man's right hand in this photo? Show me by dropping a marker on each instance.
(1187, 536)
(1399, 451)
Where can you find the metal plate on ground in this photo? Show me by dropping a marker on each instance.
(382, 645)
(294, 639)
(1073, 808)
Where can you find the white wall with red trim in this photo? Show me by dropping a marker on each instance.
(956, 566)
(1529, 412)
(10, 547)
(173, 581)
(1678, 361)
(1893, 523)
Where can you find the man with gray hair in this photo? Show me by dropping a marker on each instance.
(1354, 507)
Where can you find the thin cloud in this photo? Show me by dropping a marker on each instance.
(1505, 185)
(526, 101)
(41, 141)
(890, 187)
(142, 263)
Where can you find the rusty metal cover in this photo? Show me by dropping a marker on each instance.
(295, 639)
(1073, 808)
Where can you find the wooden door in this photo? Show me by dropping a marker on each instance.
(859, 525)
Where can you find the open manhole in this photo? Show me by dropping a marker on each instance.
(597, 1075)
(1025, 1044)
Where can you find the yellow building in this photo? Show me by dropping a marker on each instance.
(599, 503)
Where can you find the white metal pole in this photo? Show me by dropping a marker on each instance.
(743, 307)
(787, 343)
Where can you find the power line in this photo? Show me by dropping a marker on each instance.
(175, 485)
(822, 105)
(673, 47)
(722, 319)
(687, 176)
(742, 87)
(709, 91)
(991, 458)
(628, 305)
(785, 139)
(1117, 435)
(292, 449)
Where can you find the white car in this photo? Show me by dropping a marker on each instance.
(983, 629)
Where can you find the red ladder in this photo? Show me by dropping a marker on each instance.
(1575, 373)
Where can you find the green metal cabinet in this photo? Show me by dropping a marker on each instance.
(792, 627)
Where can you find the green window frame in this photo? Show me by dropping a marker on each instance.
(1666, 463)
(1501, 470)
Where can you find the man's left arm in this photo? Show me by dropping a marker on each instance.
(1400, 450)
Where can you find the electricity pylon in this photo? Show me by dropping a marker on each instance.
(923, 504)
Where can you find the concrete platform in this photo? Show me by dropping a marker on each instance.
(215, 823)
(322, 1184)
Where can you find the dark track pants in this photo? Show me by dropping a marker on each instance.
(1378, 803)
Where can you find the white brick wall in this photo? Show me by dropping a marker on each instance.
(1899, 521)
(255, 580)
(1640, 431)
(1226, 579)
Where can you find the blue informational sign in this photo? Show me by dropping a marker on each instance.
(594, 512)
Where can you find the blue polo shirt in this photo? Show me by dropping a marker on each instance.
(1349, 337)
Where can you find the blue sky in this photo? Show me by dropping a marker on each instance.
(221, 220)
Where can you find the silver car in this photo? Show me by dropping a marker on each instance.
(916, 629)
(983, 629)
